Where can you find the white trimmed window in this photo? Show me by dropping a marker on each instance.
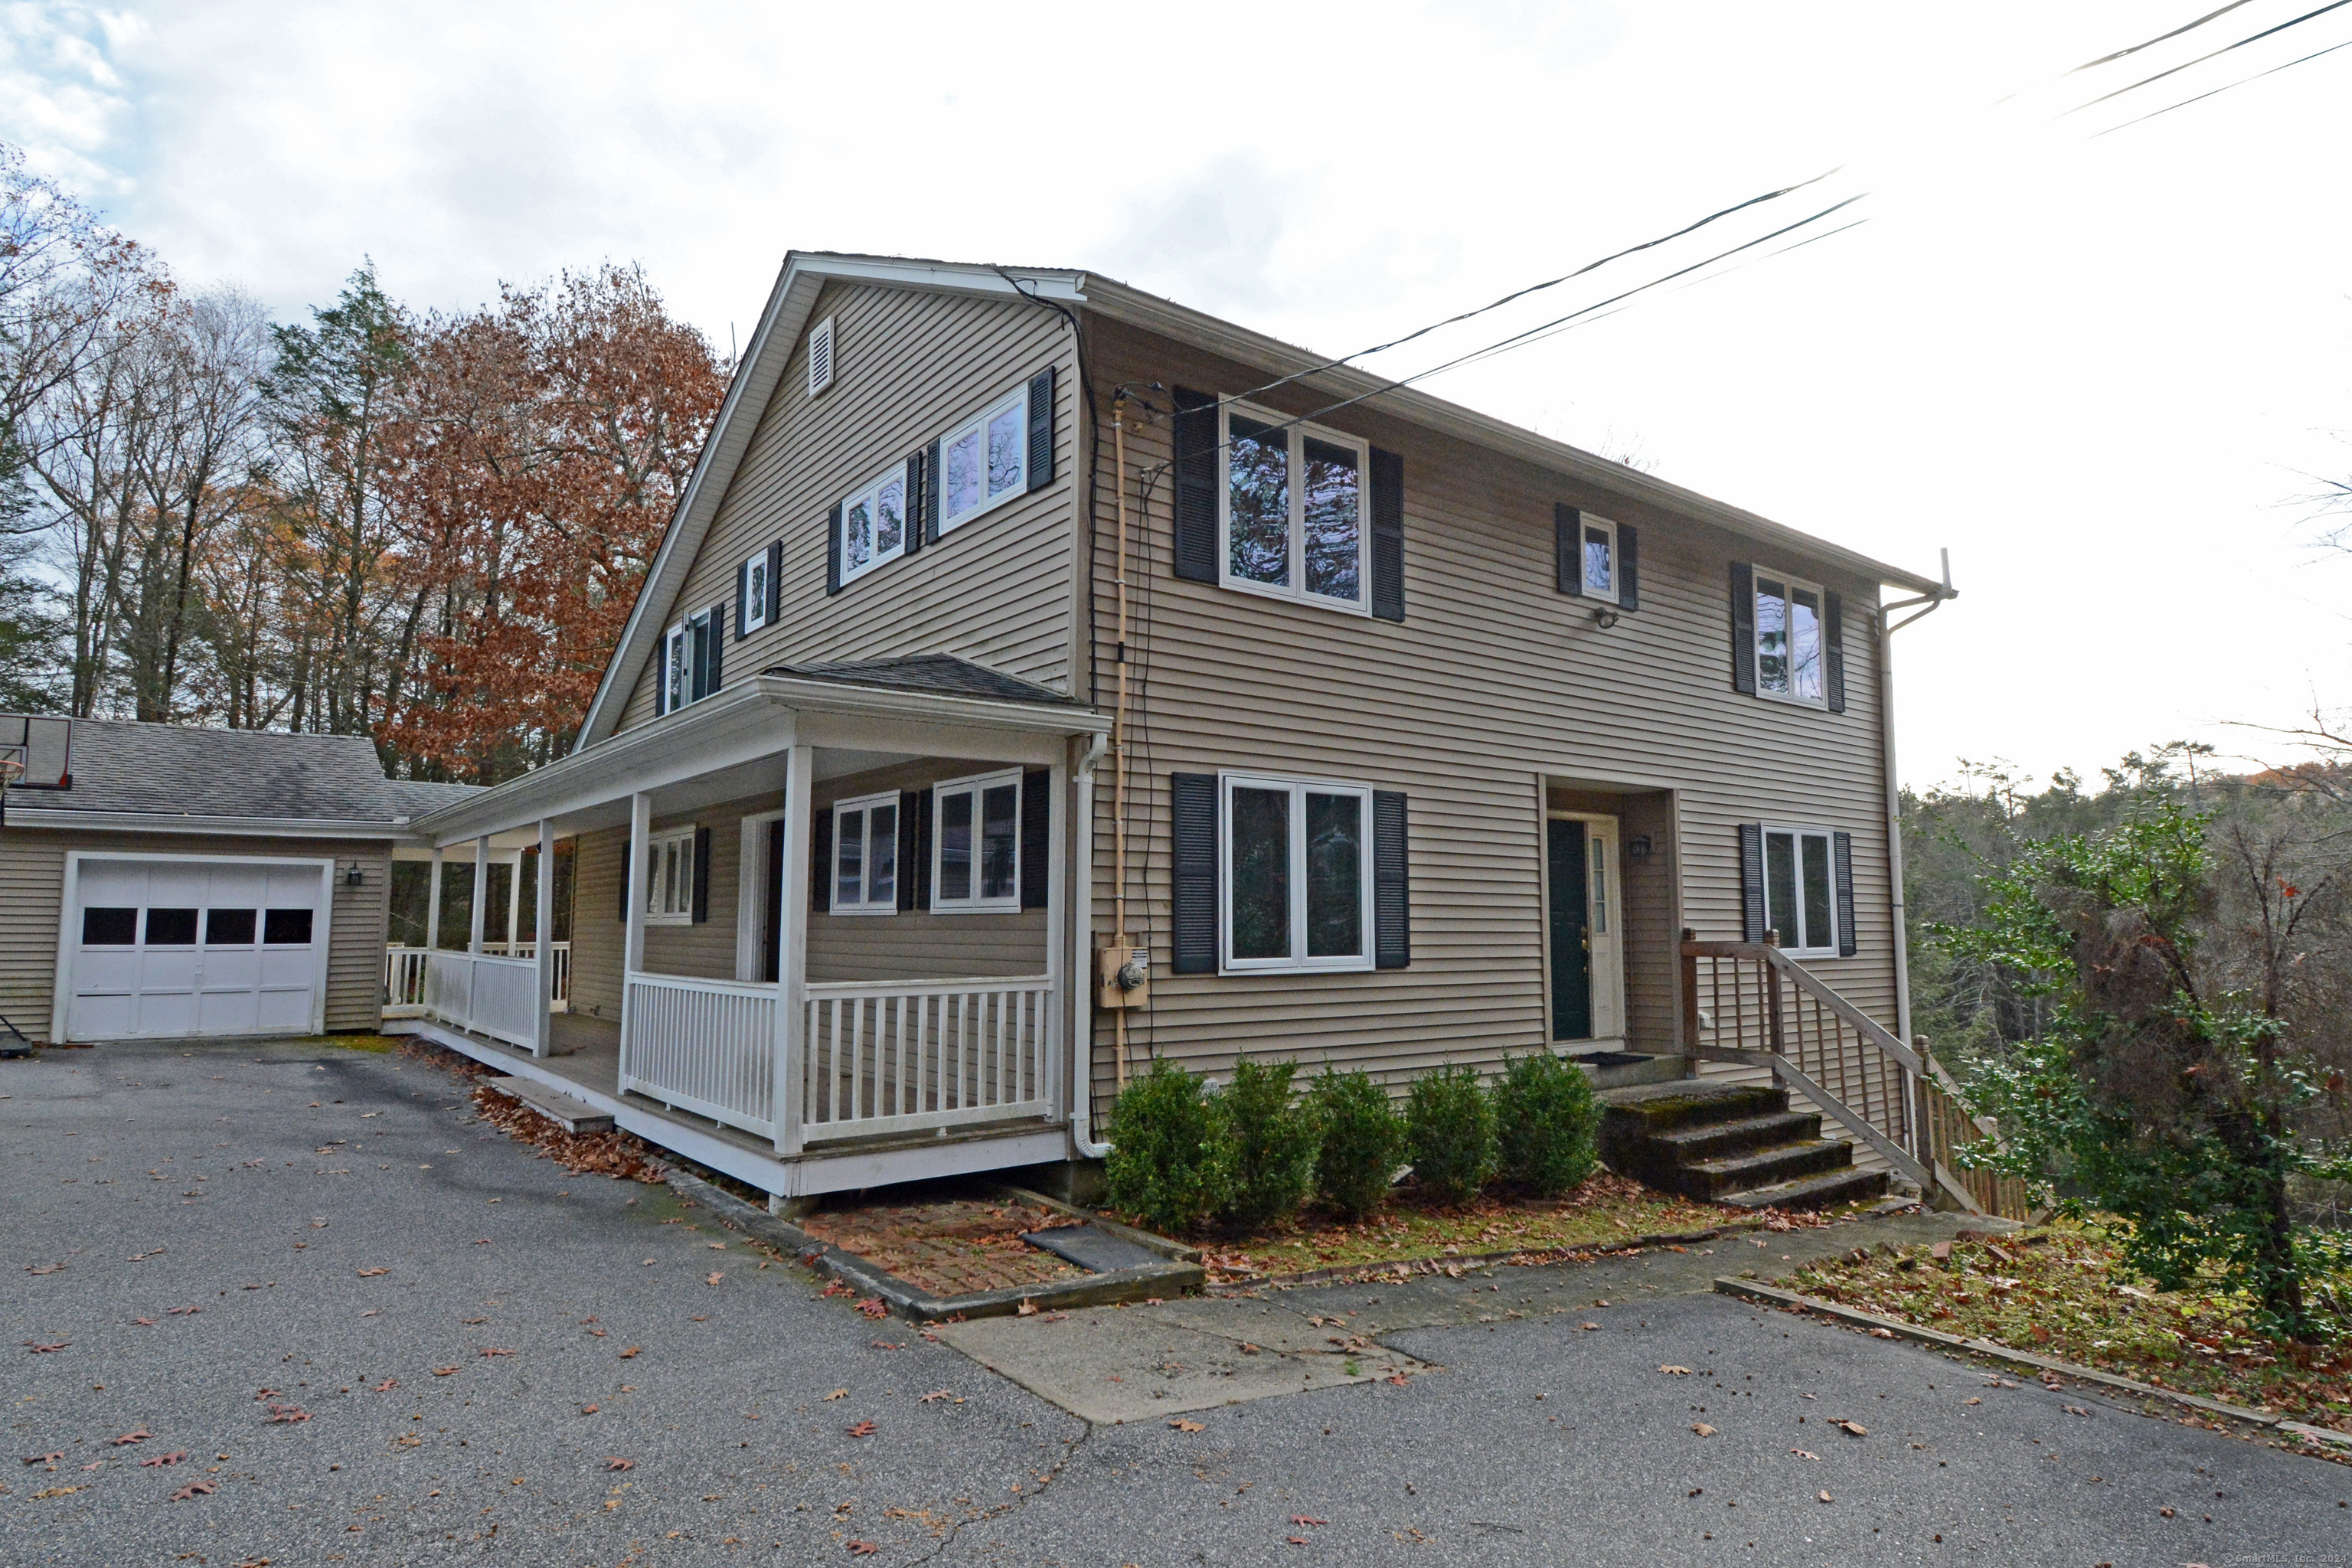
(874, 524)
(1600, 568)
(1292, 506)
(866, 855)
(976, 843)
(676, 668)
(1297, 891)
(984, 460)
(1790, 662)
(755, 592)
(1801, 889)
(669, 887)
(820, 358)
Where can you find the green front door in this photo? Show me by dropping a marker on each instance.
(1571, 940)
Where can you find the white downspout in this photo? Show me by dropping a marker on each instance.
(1886, 630)
(1082, 968)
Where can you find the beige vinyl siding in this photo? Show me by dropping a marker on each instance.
(1492, 684)
(909, 365)
(598, 939)
(32, 896)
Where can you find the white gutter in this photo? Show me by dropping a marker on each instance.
(377, 829)
(1082, 901)
(1886, 630)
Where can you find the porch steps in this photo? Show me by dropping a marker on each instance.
(571, 1115)
(1730, 1143)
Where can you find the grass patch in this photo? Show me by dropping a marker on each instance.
(2061, 1290)
(378, 1044)
(1605, 1208)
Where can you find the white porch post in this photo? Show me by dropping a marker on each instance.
(792, 963)
(1058, 966)
(514, 898)
(432, 906)
(542, 1017)
(635, 881)
(481, 883)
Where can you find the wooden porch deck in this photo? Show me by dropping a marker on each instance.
(586, 1065)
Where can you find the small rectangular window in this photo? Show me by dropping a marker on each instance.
(171, 928)
(1600, 558)
(866, 855)
(1801, 890)
(670, 885)
(820, 358)
(873, 525)
(229, 928)
(286, 928)
(110, 927)
(984, 460)
(677, 667)
(1788, 647)
(1296, 873)
(976, 843)
(1293, 505)
(755, 592)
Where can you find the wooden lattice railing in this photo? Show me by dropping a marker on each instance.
(1748, 1002)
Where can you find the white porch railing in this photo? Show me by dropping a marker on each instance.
(897, 1056)
(707, 1047)
(403, 975)
(493, 996)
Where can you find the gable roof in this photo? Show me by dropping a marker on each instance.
(125, 769)
(805, 273)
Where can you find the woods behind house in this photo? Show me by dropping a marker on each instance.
(425, 527)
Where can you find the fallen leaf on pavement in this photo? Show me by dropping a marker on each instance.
(1304, 1519)
(1881, 1334)
(1972, 1400)
(836, 1394)
(874, 1307)
(285, 1414)
(193, 1489)
(172, 1458)
(1188, 1425)
(1853, 1428)
(372, 1273)
(183, 1311)
(68, 1492)
(934, 1396)
(615, 1462)
(43, 1267)
(489, 1349)
(442, 1370)
(2076, 1410)
(143, 1322)
(1702, 1428)
(1297, 1540)
(861, 1548)
(1826, 1497)
(1398, 1378)
(1675, 1371)
(387, 1386)
(627, 1353)
(43, 1458)
(713, 1278)
(863, 1429)
(1027, 1309)
(1587, 1325)
(1804, 1454)
(36, 1348)
(136, 1435)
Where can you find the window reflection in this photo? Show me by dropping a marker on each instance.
(1600, 574)
(961, 485)
(1258, 495)
(1772, 637)
(1261, 873)
(1332, 492)
(1334, 876)
(1007, 444)
(1805, 645)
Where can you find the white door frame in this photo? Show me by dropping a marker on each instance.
(751, 883)
(1610, 1036)
(61, 1000)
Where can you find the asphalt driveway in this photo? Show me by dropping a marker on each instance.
(265, 1186)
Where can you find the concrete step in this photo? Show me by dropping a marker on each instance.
(571, 1115)
(1763, 1168)
(1715, 1139)
(1657, 1107)
(1627, 1069)
(1812, 1192)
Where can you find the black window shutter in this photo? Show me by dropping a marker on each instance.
(1196, 492)
(1391, 888)
(776, 579)
(701, 876)
(833, 550)
(1743, 633)
(1841, 854)
(914, 503)
(1041, 428)
(624, 882)
(1752, 881)
(697, 659)
(820, 887)
(1629, 568)
(661, 677)
(1568, 546)
(742, 596)
(1388, 535)
(924, 805)
(716, 675)
(931, 493)
(1834, 648)
(1036, 835)
(1193, 819)
(911, 850)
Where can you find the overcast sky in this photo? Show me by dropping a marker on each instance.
(2100, 369)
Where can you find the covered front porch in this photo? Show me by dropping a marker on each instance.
(820, 928)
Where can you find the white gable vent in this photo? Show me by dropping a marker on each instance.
(821, 356)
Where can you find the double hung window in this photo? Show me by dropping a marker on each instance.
(1789, 639)
(1801, 890)
(687, 662)
(866, 855)
(670, 881)
(1293, 509)
(984, 462)
(874, 524)
(1297, 880)
(976, 843)
(1600, 563)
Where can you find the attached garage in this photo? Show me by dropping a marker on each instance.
(167, 949)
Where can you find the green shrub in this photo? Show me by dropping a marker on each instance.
(1272, 1141)
(1170, 1162)
(1362, 1141)
(1450, 1129)
(1544, 1122)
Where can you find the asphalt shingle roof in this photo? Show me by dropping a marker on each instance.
(937, 673)
(168, 770)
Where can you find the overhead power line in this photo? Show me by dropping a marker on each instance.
(2201, 59)
(2160, 37)
(2226, 86)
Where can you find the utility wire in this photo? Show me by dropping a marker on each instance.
(2241, 43)
(2160, 37)
(2225, 87)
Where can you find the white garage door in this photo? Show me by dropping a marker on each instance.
(166, 949)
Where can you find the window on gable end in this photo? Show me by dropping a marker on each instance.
(874, 524)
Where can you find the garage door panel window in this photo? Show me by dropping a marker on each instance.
(171, 928)
(229, 928)
(286, 927)
(109, 926)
